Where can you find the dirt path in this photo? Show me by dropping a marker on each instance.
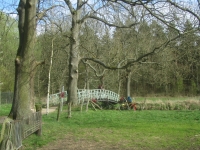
(71, 143)
(52, 109)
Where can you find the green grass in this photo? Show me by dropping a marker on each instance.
(139, 129)
(5, 109)
(148, 129)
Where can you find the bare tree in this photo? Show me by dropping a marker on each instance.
(105, 12)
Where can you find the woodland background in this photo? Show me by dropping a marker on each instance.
(171, 71)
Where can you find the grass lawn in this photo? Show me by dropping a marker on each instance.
(5, 109)
(147, 129)
(139, 129)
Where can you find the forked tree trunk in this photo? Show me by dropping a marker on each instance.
(23, 91)
(74, 61)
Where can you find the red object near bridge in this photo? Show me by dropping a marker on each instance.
(94, 100)
(133, 105)
(62, 94)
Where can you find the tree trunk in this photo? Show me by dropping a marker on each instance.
(87, 86)
(21, 106)
(128, 82)
(119, 82)
(49, 77)
(102, 82)
(74, 61)
(32, 84)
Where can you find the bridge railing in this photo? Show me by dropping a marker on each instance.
(98, 94)
(55, 98)
(84, 94)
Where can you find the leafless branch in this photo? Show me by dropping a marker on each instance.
(43, 13)
(69, 4)
(132, 61)
(93, 68)
(110, 24)
(159, 18)
(184, 9)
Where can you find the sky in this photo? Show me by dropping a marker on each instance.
(9, 6)
(12, 4)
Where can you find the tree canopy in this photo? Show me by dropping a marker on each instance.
(153, 43)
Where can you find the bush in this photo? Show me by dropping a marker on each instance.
(194, 106)
(168, 105)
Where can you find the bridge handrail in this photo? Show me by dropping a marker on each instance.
(83, 94)
(99, 94)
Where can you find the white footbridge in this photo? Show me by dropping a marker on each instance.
(84, 95)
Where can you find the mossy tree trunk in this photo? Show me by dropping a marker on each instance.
(24, 62)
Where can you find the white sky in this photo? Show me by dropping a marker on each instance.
(9, 6)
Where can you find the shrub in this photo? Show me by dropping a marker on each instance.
(166, 104)
(194, 106)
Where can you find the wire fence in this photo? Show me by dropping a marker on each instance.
(15, 131)
(6, 98)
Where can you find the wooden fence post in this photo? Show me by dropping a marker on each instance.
(59, 110)
(39, 113)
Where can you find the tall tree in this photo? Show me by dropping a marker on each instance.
(24, 62)
(94, 11)
(187, 58)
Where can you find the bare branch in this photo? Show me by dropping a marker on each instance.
(69, 4)
(110, 24)
(43, 13)
(160, 19)
(98, 75)
(37, 63)
(82, 4)
(184, 9)
(133, 3)
(132, 61)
